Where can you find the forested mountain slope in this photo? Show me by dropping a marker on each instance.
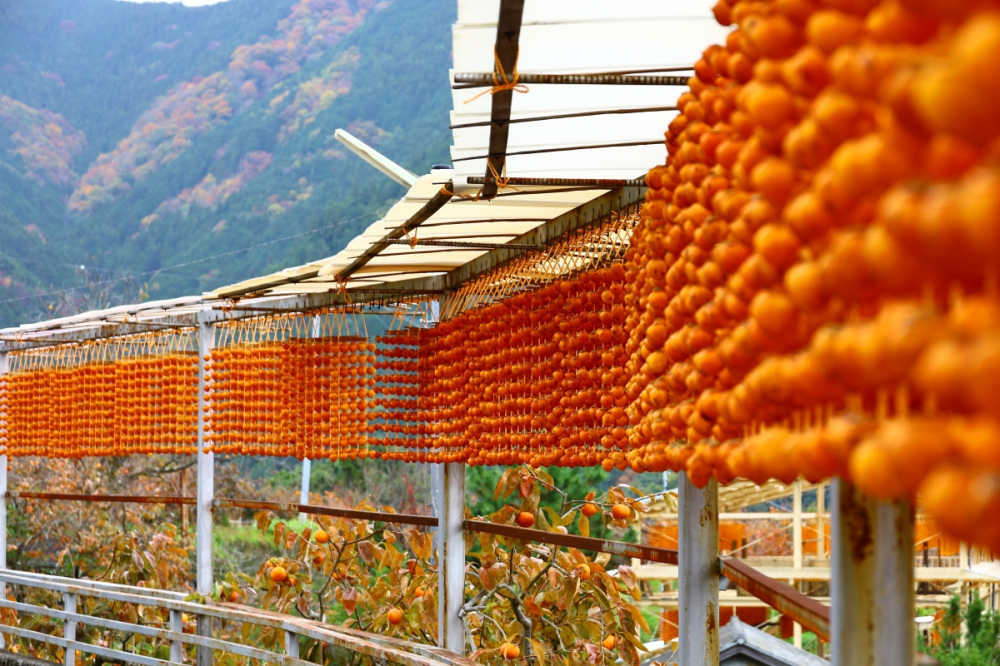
(137, 140)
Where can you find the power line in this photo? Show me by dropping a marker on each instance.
(190, 263)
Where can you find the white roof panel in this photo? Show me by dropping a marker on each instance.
(574, 37)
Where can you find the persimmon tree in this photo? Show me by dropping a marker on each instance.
(525, 600)
(376, 577)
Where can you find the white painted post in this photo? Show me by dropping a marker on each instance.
(176, 646)
(304, 489)
(206, 493)
(894, 583)
(797, 550)
(437, 508)
(698, 577)
(69, 629)
(292, 644)
(852, 569)
(306, 463)
(821, 519)
(449, 491)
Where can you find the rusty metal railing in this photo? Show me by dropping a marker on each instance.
(662, 555)
(356, 514)
(785, 599)
(76, 497)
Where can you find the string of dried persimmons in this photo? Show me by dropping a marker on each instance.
(817, 271)
(111, 397)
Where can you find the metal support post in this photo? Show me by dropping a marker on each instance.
(698, 598)
(449, 497)
(206, 493)
(852, 564)
(176, 646)
(894, 583)
(69, 629)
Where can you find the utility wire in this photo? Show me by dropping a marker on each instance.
(190, 263)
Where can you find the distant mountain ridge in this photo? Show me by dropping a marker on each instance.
(147, 136)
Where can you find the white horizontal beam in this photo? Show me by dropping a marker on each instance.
(404, 177)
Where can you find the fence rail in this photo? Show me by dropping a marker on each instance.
(811, 614)
(376, 646)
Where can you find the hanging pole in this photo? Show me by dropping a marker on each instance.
(852, 568)
(206, 492)
(894, 583)
(698, 597)
(560, 116)
(475, 80)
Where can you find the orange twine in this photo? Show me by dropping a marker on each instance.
(342, 288)
(501, 82)
(502, 181)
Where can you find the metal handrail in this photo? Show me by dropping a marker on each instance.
(385, 648)
(805, 610)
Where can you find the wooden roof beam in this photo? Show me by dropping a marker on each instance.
(507, 45)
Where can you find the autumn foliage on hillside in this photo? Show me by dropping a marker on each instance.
(210, 192)
(46, 143)
(194, 107)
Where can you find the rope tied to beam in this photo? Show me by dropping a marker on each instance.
(502, 180)
(500, 80)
